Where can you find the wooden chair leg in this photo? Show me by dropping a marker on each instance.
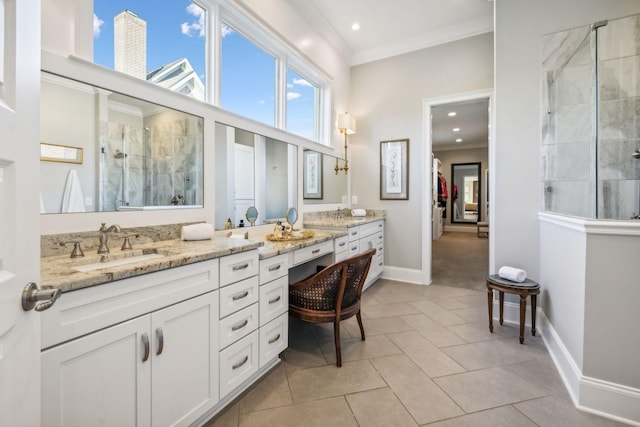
(336, 334)
(359, 317)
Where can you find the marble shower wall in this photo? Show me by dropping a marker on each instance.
(619, 118)
(569, 146)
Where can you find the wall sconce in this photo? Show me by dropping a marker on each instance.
(347, 126)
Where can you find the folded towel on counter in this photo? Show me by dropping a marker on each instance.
(512, 273)
(358, 212)
(201, 231)
(238, 236)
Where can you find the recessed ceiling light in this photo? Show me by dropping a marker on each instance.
(451, 114)
(459, 140)
(355, 26)
(456, 129)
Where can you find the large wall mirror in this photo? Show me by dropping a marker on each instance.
(253, 171)
(322, 185)
(136, 155)
(465, 192)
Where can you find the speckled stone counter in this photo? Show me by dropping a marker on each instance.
(57, 271)
(344, 220)
(271, 249)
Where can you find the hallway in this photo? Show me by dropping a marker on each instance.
(460, 260)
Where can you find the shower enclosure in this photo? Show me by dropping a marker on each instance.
(591, 120)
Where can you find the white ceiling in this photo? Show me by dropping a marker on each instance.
(393, 27)
(472, 118)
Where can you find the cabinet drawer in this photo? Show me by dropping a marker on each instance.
(274, 299)
(354, 233)
(274, 338)
(341, 256)
(238, 325)
(311, 252)
(86, 310)
(238, 362)
(341, 244)
(354, 248)
(238, 296)
(370, 228)
(234, 268)
(273, 268)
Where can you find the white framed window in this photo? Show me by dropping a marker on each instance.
(302, 105)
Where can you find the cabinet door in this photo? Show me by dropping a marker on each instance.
(99, 379)
(185, 360)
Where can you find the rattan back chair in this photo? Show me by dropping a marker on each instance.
(332, 294)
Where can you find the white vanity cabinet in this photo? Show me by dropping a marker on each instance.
(129, 374)
(274, 307)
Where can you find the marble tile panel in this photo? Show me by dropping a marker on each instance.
(419, 394)
(573, 123)
(428, 357)
(573, 86)
(615, 159)
(567, 162)
(329, 381)
(618, 119)
(619, 38)
(619, 199)
(381, 408)
(574, 198)
(487, 388)
(619, 78)
(560, 48)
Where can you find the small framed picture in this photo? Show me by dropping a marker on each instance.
(60, 153)
(394, 169)
(312, 178)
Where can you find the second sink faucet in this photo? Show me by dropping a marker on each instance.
(104, 237)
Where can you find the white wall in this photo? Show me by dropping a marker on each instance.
(386, 98)
(576, 269)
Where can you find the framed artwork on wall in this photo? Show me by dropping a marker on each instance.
(394, 169)
(312, 178)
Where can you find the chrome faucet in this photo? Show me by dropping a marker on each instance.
(104, 237)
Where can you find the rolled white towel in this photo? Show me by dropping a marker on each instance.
(512, 273)
(358, 212)
(201, 231)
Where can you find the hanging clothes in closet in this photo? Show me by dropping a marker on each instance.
(443, 194)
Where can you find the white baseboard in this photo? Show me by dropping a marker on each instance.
(403, 274)
(610, 400)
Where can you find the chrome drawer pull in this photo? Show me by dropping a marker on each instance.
(160, 336)
(275, 267)
(379, 237)
(243, 295)
(379, 225)
(353, 233)
(276, 338)
(354, 248)
(240, 326)
(342, 244)
(145, 342)
(237, 365)
(380, 265)
(240, 267)
(274, 300)
(315, 251)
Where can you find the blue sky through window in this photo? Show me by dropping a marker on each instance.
(176, 29)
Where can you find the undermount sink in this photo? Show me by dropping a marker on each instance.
(114, 260)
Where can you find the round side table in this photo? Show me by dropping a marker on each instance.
(524, 289)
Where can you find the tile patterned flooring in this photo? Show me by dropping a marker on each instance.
(429, 359)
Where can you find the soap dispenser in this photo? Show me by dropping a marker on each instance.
(277, 230)
(228, 225)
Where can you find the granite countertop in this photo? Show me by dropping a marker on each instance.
(57, 271)
(345, 222)
(271, 249)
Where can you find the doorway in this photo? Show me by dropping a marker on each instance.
(457, 136)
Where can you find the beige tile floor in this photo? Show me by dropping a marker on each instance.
(429, 359)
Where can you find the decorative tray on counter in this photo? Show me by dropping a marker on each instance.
(294, 235)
